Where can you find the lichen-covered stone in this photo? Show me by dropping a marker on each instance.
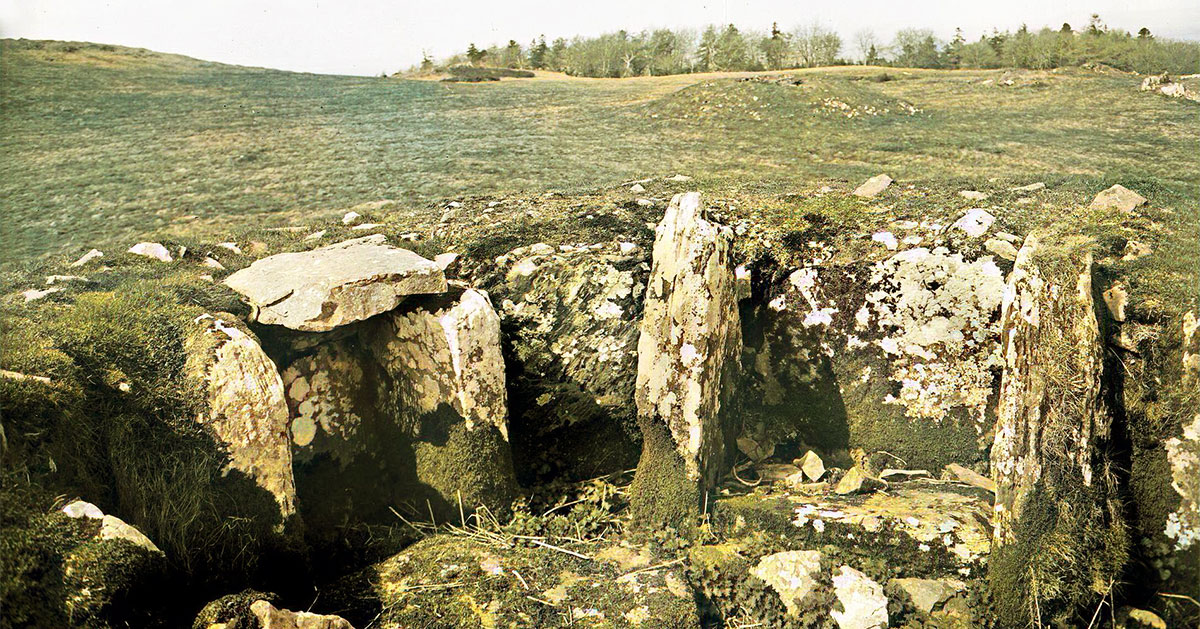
(570, 322)
(863, 604)
(897, 355)
(463, 582)
(1051, 347)
(687, 354)
(246, 410)
(792, 574)
(1057, 517)
(1183, 453)
(319, 290)
(407, 410)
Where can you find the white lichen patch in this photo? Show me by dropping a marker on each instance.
(1183, 525)
(321, 393)
(938, 314)
(447, 355)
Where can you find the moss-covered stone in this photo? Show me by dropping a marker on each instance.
(454, 581)
(1060, 541)
(57, 571)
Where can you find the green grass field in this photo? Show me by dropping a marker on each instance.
(101, 146)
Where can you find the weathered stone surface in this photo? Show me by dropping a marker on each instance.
(92, 254)
(973, 195)
(929, 593)
(111, 527)
(687, 353)
(246, 411)
(83, 509)
(970, 477)
(319, 290)
(516, 587)
(1051, 435)
(1051, 346)
(271, 617)
(1002, 248)
(897, 355)
(407, 410)
(863, 604)
(151, 250)
(1183, 453)
(873, 186)
(792, 574)
(447, 353)
(976, 222)
(812, 466)
(1118, 199)
(856, 480)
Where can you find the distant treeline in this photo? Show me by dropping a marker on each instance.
(666, 51)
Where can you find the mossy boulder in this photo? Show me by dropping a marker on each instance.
(457, 581)
(62, 571)
(124, 411)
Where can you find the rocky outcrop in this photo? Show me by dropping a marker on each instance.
(319, 290)
(407, 410)
(1056, 513)
(245, 411)
(687, 362)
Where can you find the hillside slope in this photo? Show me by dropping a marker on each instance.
(103, 144)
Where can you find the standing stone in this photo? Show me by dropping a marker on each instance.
(246, 411)
(687, 363)
(319, 290)
(1056, 513)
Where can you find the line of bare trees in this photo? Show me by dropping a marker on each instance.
(717, 48)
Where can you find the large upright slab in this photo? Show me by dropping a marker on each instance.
(245, 412)
(1056, 514)
(319, 290)
(687, 361)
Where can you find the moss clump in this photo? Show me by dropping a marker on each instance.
(56, 572)
(1068, 550)
(662, 495)
(468, 467)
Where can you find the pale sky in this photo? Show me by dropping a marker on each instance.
(371, 36)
